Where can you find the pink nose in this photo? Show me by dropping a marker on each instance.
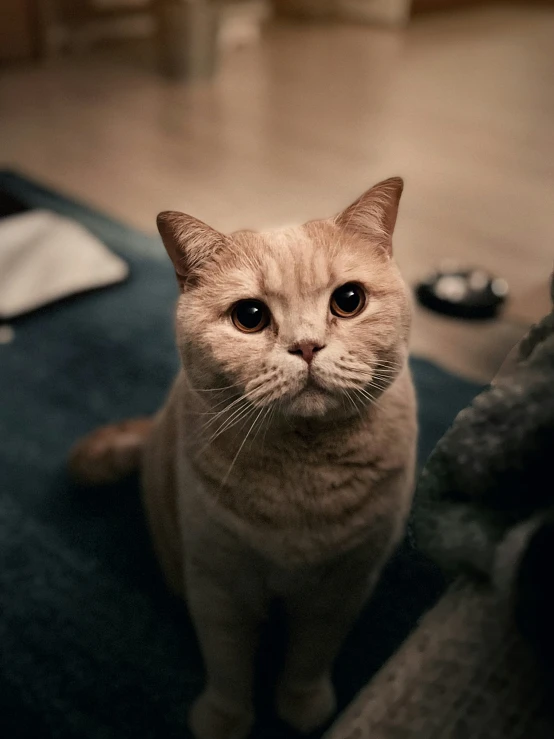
(307, 351)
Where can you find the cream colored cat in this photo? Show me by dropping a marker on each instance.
(282, 463)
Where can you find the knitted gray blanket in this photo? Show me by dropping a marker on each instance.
(486, 495)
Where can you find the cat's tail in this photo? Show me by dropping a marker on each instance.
(110, 453)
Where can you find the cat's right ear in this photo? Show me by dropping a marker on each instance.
(373, 215)
(189, 243)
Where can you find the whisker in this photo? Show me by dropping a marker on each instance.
(269, 418)
(218, 414)
(267, 409)
(228, 423)
(241, 447)
(353, 376)
(238, 413)
(380, 384)
(243, 418)
(386, 373)
(376, 389)
(379, 389)
(354, 404)
(387, 367)
(370, 398)
(230, 406)
(390, 361)
(215, 412)
(385, 378)
(212, 389)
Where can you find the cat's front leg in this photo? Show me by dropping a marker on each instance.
(228, 629)
(319, 618)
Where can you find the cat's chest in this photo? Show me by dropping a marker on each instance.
(293, 490)
(296, 500)
(293, 515)
(309, 482)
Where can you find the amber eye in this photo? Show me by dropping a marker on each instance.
(250, 316)
(348, 300)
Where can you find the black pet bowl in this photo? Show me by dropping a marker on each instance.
(472, 294)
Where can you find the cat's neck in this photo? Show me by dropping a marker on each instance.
(221, 421)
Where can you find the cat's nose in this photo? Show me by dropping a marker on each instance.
(306, 350)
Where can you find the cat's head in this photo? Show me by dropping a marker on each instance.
(312, 320)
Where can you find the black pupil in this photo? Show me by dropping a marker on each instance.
(347, 298)
(250, 314)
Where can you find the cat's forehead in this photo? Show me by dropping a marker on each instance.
(292, 260)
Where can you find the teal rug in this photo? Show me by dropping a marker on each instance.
(91, 645)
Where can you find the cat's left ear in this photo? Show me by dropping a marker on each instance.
(373, 215)
(190, 244)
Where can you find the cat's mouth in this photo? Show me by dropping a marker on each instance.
(322, 384)
(315, 387)
(312, 383)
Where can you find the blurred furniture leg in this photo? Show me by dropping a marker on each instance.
(20, 30)
(187, 38)
(185, 30)
(307, 9)
(393, 13)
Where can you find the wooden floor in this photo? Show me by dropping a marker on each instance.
(461, 105)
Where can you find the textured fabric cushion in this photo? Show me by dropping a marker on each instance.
(464, 673)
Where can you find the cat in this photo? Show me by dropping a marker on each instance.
(282, 464)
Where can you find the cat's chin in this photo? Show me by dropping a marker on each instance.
(312, 402)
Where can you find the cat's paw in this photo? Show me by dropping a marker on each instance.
(212, 717)
(309, 707)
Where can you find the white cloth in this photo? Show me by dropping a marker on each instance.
(45, 257)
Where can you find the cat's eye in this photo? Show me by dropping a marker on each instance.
(250, 316)
(348, 300)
